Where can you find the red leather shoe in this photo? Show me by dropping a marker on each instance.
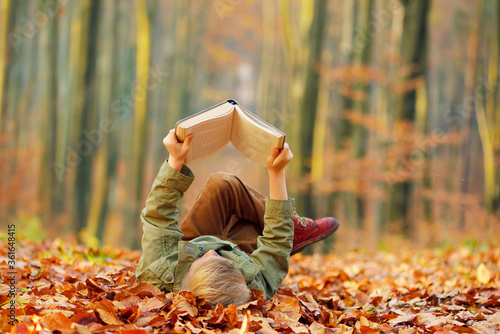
(308, 231)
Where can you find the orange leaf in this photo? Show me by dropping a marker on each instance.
(146, 290)
(290, 307)
(231, 314)
(107, 316)
(460, 329)
(134, 331)
(369, 330)
(483, 274)
(150, 304)
(57, 321)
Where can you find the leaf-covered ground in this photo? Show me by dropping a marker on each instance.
(76, 290)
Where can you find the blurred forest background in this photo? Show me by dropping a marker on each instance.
(391, 107)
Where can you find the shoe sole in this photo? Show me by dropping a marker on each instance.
(321, 237)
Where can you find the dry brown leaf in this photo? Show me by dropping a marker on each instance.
(134, 331)
(150, 304)
(57, 321)
(4, 289)
(107, 316)
(402, 319)
(290, 307)
(406, 331)
(232, 315)
(397, 293)
(363, 321)
(429, 320)
(80, 329)
(495, 319)
(369, 330)
(298, 328)
(184, 307)
(317, 328)
(483, 274)
(462, 329)
(146, 290)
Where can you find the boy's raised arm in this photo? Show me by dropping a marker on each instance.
(160, 216)
(275, 243)
(276, 163)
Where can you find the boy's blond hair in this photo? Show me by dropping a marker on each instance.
(218, 281)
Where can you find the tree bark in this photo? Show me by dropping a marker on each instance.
(49, 184)
(101, 179)
(5, 7)
(140, 95)
(84, 148)
(309, 106)
(413, 67)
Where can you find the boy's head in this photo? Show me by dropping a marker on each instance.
(217, 280)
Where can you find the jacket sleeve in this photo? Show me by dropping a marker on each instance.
(275, 244)
(161, 232)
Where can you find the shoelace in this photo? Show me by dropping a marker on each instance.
(303, 220)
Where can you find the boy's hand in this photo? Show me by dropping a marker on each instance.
(178, 151)
(277, 160)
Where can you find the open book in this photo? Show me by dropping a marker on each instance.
(226, 122)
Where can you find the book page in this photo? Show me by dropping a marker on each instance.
(252, 141)
(216, 111)
(259, 121)
(209, 137)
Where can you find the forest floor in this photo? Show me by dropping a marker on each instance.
(73, 289)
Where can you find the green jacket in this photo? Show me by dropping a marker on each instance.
(166, 258)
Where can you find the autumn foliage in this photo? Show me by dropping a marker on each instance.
(71, 289)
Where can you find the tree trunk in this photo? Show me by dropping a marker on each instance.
(139, 126)
(50, 185)
(85, 149)
(309, 105)
(4, 31)
(119, 138)
(496, 202)
(414, 64)
(94, 228)
(359, 56)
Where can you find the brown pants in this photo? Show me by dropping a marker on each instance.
(228, 209)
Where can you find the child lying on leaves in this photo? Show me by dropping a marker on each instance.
(232, 240)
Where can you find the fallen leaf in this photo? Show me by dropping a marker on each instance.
(150, 304)
(483, 274)
(402, 319)
(399, 292)
(183, 306)
(369, 330)
(429, 319)
(289, 307)
(107, 316)
(317, 328)
(495, 319)
(57, 321)
(134, 331)
(146, 290)
(461, 329)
